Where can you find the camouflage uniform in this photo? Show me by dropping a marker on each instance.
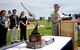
(54, 21)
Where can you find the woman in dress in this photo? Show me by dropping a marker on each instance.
(23, 25)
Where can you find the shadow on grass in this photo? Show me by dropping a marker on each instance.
(48, 27)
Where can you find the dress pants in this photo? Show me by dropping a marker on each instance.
(3, 34)
(13, 34)
(1, 37)
(55, 29)
(23, 33)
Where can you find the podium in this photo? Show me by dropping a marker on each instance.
(68, 28)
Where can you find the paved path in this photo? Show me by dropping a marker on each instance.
(40, 26)
(32, 27)
(10, 45)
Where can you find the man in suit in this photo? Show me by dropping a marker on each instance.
(13, 26)
(54, 20)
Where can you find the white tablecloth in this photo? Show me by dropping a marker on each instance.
(58, 44)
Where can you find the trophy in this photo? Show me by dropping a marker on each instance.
(35, 40)
(35, 35)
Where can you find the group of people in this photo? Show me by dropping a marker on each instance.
(15, 21)
(12, 22)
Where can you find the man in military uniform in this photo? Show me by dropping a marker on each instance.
(54, 20)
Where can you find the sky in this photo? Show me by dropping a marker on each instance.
(41, 7)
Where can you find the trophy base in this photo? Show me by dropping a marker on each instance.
(35, 38)
(36, 45)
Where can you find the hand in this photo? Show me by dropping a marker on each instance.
(24, 24)
(16, 26)
(59, 19)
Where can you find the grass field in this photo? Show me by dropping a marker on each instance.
(44, 31)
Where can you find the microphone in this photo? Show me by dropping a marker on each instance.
(65, 14)
(67, 18)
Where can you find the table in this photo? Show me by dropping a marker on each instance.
(60, 43)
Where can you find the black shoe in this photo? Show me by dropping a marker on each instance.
(21, 40)
(25, 41)
(1, 46)
(11, 42)
(5, 45)
(15, 41)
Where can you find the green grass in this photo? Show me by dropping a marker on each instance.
(46, 30)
